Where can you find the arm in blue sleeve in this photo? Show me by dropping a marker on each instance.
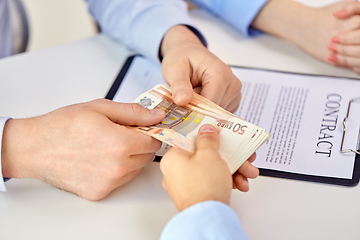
(2, 180)
(141, 24)
(209, 220)
(238, 13)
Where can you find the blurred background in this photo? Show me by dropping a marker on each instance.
(54, 22)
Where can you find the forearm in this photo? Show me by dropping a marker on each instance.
(284, 18)
(14, 151)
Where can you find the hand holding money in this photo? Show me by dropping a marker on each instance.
(202, 176)
(238, 139)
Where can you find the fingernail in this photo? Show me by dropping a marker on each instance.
(157, 111)
(332, 48)
(207, 128)
(340, 13)
(332, 58)
(335, 39)
(180, 96)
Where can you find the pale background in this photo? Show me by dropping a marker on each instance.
(53, 22)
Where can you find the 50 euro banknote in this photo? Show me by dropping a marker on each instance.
(238, 139)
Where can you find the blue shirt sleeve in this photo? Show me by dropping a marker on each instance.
(238, 13)
(209, 220)
(2, 180)
(141, 24)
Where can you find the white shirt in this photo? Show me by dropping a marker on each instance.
(2, 124)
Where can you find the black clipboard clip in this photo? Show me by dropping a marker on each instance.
(344, 131)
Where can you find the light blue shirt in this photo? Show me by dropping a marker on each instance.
(238, 13)
(140, 24)
(209, 220)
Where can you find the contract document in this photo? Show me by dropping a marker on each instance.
(303, 113)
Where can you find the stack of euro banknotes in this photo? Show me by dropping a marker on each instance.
(238, 139)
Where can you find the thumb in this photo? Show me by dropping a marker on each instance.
(207, 142)
(351, 8)
(177, 75)
(130, 114)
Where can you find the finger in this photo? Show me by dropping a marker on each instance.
(128, 177)
(133, 142)
(177, 75)
(164, 184)
(215, 83)
(234, 104)
(197, 90)
(207, 143)
(138, 161)
(349, 50)
(343, 60)
(232, 95)
(348, 37)
(248, 170)
(233, 109)
(252, 158)
(171, 159)
(207, 138)
(128, 114)
(240, 182)
(351, 8)
(356, 70)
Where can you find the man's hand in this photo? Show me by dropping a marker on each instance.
(247, 170)
(192, 178)
(84, 148)
(188, 65)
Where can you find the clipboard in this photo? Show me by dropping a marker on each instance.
(271, 172)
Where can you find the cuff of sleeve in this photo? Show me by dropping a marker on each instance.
(196, 32)
(241, 16)
(205, 220)
(146, 38)
(2, 180)
(199, 35)
(238, 13)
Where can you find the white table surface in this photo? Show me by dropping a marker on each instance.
(36, 83)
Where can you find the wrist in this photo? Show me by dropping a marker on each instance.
(178, 36)
(184, 204)
(304, 25)
(14, 157)
(284, 18)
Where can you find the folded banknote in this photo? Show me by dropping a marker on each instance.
(238, 139)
